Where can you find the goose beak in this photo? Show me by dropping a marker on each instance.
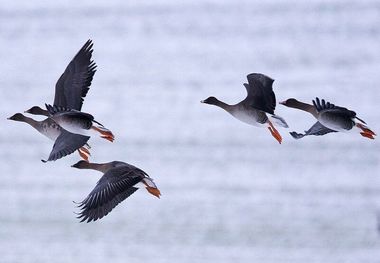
(202, 101)
(282, 102)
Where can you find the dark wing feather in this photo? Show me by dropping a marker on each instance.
(260, 92)
(75, 82)
(115, 186)
(66, 144)
(52, 110)
(317, 129)
(322, 105)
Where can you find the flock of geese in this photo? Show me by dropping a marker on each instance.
(70, 129)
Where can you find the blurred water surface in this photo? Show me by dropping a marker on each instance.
(230, 192)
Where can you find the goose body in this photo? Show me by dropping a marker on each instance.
(119, 181)
(245, 113)
(78, 122)
(65, 142)
(330, 118)
(257, 109)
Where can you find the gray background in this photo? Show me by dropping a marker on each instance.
(230, 192)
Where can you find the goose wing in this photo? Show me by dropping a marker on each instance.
(114, 186)
(66, 144)
(74, 83)
(323, 106)
(260, 92)
(317, 129)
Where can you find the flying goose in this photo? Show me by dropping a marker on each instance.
(258, 107)
(330, 118)
(72, 87)
(65, 142)
(119, 181)
(70, 90)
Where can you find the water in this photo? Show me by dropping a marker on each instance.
(230, 192)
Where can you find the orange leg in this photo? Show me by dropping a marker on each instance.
(274, 132)
(108, 138)
(153, 191)
(367, 135)
(366, 131)
(84, 153)
(105, 134)
(85, 150)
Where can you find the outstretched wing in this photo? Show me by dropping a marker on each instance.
(116, 185)
(75, 82)
(322, 105)
(66, 144)
(317, 129)
(260, 92)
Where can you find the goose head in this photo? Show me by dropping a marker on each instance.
(290, 102)
(35, 110)
(17, 117)
(211, 100)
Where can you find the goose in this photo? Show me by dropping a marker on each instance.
(65, 142)
(70, 91)
(119, 181)
(258, 107)
(72, 87)
(330, 118)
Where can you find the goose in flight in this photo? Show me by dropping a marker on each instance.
(70, 91)
(65, 142)
(330, 118)
(119, 181)
(258, 107)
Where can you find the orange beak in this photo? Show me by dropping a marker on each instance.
(154, 191)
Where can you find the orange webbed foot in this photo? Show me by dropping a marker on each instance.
(154, 191)
(275, 133)
(110, 138)
(367, 135)
(366, 132)
(105, 133)
(84, 153)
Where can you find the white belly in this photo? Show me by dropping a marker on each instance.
(74, 129)
(332, 126)
(246, 117)
(50, 130)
